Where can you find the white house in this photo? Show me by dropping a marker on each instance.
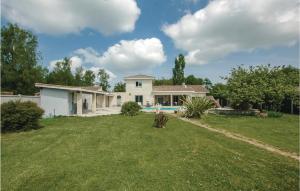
(71, 100)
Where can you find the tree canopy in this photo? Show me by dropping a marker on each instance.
(178, 70)
(120, 87)
(19, 60)
(103, 79)
(262, 86)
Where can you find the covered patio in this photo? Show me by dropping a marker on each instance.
(88, 102)
(169, 99)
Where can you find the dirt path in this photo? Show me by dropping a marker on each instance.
(244, 139)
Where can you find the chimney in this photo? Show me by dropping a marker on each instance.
(183, 84)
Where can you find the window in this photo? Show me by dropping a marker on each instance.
(139, 99)
(138, 84)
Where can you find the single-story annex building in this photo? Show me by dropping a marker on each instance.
(75, 100)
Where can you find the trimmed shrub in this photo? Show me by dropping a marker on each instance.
(274, 114)
(195, 107)
(160, 120)
(130, 108)
(20, 116)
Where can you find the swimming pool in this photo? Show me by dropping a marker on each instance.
(161, 108)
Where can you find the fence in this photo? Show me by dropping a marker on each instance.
(7, 98)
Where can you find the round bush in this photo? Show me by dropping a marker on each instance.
(130, 108)
(20, 116)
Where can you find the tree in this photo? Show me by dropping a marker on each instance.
(103, 79)
(219, 91)
(62, 74)
(178, 70)
(120, 87)
(192, 80)
(19, 60)
(88, 78)
(207, 83)
(78, 76)
(261, 86)
(163, 81)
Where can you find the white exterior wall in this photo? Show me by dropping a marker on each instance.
(55, 102)
(114, 100)
(145, 90)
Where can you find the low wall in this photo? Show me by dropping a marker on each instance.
(7, 98)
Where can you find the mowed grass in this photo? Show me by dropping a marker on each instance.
(280, 132)
(126, 153)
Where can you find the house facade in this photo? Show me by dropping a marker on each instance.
(140, 88)
(71, 100)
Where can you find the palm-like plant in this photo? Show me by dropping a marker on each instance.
(196, 106)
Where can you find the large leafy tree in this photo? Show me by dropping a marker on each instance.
(19, 60)
(261, 86)
(219, 91)
(163, 81)
(120, 87)
(62, 74)
(103, 79)
(192, 80)
(178, 70)
(88, 78)
(78, 76)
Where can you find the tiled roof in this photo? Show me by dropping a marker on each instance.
(183, 88)
(139, 76)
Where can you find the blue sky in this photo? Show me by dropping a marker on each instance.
(214, 35)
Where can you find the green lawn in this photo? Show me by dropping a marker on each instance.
(280, 132)
(126, 153)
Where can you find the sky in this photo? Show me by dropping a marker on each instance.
(127, 37)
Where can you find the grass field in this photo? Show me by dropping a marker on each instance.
(126, 153)
(280, 132)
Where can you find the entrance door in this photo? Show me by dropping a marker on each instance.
(119, 100)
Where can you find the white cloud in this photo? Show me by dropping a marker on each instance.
(227, 26)
(126, 56)
(72, 16)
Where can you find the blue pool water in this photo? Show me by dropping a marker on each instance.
(162, 108)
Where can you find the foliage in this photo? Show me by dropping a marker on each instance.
(120, 87)
(62, 74)
(261, 85)
(192, 80)
(88, 78)
(103, 79)
(160, 120)
(130, 108)
(19, 116)
(163, 81)
(274, 114)
(19, 60)
(219, 91)
(195, 107)
(207, 83)
(178, 70)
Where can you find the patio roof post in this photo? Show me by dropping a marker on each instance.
(94, 105)
(171, 99)
(79, 103)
